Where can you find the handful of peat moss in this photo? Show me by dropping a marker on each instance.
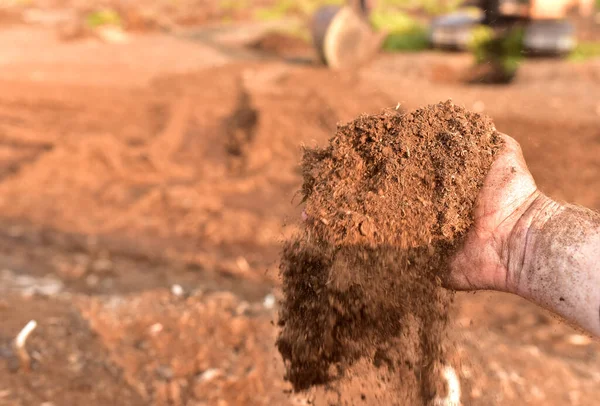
(389, 200)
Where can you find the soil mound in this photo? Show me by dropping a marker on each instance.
(388, 201)
(278, 43)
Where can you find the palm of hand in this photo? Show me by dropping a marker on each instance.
(508, 191)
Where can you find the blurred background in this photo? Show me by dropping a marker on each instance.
(149, 172)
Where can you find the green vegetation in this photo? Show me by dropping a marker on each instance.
(103, 17)
(585, 51)
(505, 53)
(283, 8)
(512, 49)
(480, 37)
(405, 32)
(234, 5)
(407, 41)
(387, 20)
(431, 7)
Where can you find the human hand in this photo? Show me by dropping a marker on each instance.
(490, 253)
(525, 243)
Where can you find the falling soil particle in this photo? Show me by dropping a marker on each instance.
(387, 201)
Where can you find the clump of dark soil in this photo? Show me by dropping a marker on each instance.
(387, 201)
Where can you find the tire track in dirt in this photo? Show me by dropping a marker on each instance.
(170, 181)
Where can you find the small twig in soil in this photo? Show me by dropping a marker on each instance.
(19, 344)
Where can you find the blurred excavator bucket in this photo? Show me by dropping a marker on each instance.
(343, 36)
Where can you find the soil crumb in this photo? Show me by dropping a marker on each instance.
(387, 203)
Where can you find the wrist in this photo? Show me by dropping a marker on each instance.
(520, 249)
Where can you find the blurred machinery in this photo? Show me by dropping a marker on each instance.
(546, 29)
(343, 36)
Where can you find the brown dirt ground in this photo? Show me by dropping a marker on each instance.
(112, 191)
